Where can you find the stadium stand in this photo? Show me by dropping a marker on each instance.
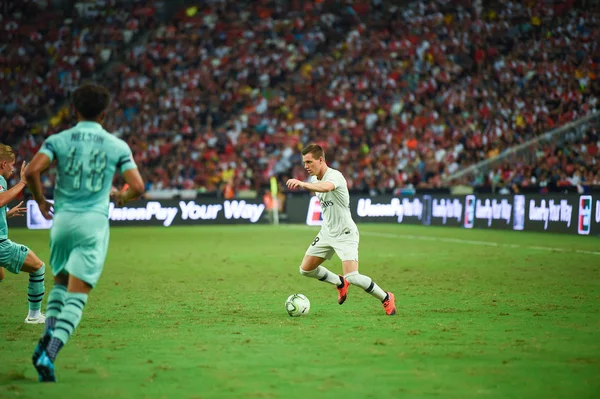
(402, 96)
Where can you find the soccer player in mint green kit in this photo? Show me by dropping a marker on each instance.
(87, 158)
(16, 257)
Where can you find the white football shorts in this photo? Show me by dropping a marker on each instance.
(345, 246)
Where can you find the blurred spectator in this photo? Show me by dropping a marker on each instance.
(401, 96)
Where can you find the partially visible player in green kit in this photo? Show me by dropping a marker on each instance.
(87, 158)
(15, 257)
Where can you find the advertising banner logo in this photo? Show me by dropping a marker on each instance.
(493, 209)
(584, 220)
(447, 209)
(469, 211)
(519, 212)
(551, 211)
(395, 208)
(168, 213)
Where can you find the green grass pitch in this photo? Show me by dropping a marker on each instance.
(198, 312)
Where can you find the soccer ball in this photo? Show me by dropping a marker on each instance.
(297, 305)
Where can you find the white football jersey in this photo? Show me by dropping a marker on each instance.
(335, 205)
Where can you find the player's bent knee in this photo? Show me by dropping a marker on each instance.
(308, 273)
(33, 261)
(31, 264)
(38, 265)
(311, 262)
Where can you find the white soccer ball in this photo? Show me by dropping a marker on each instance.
(297, 305)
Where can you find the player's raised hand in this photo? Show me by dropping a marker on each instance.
(18, 210)
(294, 183)
(47, 210)
(22, 175)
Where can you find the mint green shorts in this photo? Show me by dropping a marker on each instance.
(12, 255)
(78, 245)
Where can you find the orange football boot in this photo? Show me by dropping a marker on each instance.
(343, 292)
(390, 304)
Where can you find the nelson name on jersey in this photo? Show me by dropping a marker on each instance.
(87, 136)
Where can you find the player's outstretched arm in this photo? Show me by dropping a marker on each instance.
(39, 164)
(321, 187)
(36, 167)
(11, 194)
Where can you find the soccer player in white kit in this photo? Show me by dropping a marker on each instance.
(338, 234)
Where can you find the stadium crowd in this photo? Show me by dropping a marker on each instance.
(48, 51)
(401, 96)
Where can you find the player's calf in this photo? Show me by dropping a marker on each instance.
(370, 287)
(366, 283)
(67, 322)
(55, 304)
(35, 289)
(322, 274)
(35, 296)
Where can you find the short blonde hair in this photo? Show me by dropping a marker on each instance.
(6, 153)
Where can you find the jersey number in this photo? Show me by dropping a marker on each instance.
(94, 179)
(315, 241)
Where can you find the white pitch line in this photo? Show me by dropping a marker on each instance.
(459, 241)
(475, 242)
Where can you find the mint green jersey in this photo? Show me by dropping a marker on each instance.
(3, 210)
(87, 158)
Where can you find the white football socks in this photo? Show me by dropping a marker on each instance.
(367, 284)
(322, 274)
